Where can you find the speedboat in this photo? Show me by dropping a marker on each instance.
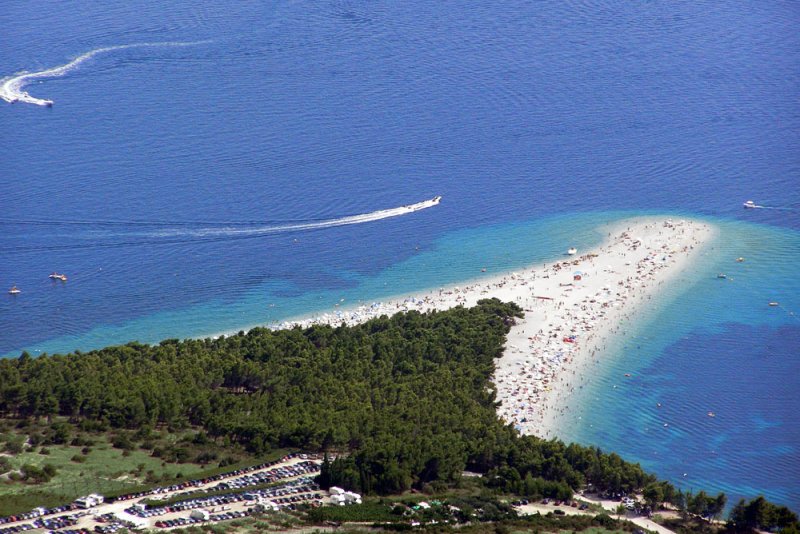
(56, 276)
(773, 304)
(572, 251)
(14, 290)
(436, 199)
(749, 204)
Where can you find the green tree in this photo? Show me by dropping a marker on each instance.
(653, 495)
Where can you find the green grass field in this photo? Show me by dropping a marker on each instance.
(106, 470)
(154, 457)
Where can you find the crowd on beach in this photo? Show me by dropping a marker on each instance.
(553, 355)
(572, 309)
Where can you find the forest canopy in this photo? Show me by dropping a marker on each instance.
(408, 397)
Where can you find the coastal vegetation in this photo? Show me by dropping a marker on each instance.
(108, 461)
(465, 512)
(402, 403)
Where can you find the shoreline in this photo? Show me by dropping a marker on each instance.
(569, 324)
(637, 262)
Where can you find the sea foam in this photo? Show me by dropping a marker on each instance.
(280, 228)
(12, 88)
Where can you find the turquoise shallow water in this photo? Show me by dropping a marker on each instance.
(707, 345)
(711, 345)
(533, 121)
(457, 257)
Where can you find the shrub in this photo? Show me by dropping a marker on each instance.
(14, 446)
(36, 475)
(228, 460)
(181, 455)
(206, 457)
(122, 441)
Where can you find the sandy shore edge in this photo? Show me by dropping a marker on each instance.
(544, 366)
(573, 307)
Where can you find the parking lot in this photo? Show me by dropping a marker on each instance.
(282, 484)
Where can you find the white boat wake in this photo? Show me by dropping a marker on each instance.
(273, 229)
(12, 88)
(165, 233)
(752, 205)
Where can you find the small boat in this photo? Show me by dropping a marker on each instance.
(14, 290)
(720, 275)
(56, 276)
(572, 251)
(739, 259)
(749, 204)
(773, 303)
(711, 414)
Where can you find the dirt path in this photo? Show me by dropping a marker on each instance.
(609, 506)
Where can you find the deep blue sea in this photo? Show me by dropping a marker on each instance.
(196, 182)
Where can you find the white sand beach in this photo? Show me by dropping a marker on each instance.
(573, 308)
